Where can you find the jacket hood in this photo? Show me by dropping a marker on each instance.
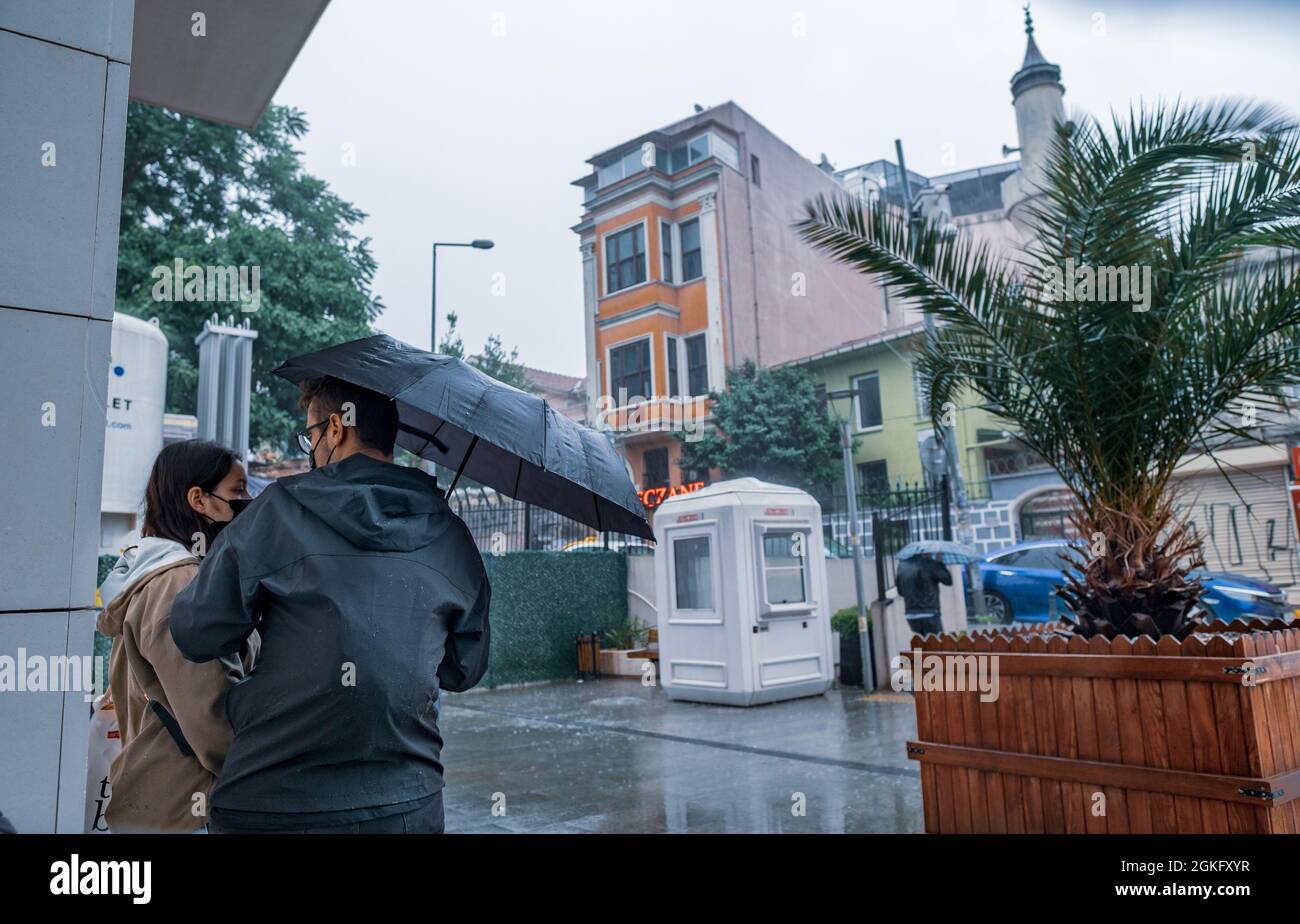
(137, 562)
(374, 505)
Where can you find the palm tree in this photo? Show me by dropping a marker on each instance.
(1111, 390)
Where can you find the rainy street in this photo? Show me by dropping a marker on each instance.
(612, 756)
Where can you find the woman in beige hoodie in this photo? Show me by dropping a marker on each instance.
(171, 712)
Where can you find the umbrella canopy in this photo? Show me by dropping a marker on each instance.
(453, 414)
(950, 553)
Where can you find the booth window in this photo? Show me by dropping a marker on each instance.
(783, 573)
(692, 567)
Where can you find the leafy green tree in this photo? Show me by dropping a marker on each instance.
(214, 195)
(494, 360)
(770, 425)
(1197, 204)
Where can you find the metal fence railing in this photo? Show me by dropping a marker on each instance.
(887, 521)
(501, 524)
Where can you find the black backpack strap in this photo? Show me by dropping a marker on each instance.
(173, 727)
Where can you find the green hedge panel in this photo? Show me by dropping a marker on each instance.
(540, 601)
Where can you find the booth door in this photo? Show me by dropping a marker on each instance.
(693, 644)
(789, 638)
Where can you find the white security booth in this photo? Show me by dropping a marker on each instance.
(741, 589)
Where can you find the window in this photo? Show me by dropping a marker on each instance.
(625, 259)
(783, 575)
(1047, 558)
(666, 251)
(670, 347)
(921, 388)
(656, 468)
(692, 256)
(697, 365)
(693, 573)
(692, 152)
(868, 400)
(691, 475)
(873, 477)
(1008, 559)
(753, 170)
(634, 161)
(629, 372)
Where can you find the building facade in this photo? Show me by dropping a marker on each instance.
(691, 265)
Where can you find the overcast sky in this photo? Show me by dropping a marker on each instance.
(471, 119)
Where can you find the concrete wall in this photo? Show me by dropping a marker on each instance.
(64, 69)
(761, 251)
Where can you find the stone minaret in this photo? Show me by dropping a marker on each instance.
(1037, 93)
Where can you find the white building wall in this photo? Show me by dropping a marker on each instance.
(64, 70)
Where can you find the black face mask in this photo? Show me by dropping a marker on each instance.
(312, 455)
(212, 528)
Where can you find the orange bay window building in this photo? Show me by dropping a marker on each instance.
(690, 266)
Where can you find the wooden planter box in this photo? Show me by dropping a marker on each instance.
(1201, 736)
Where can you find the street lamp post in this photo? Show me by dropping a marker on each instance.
(855, 536)
(947, 436)
(480, 244)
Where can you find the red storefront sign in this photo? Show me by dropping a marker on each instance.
(653, 497)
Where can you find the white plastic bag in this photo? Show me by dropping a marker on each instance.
(105, 745)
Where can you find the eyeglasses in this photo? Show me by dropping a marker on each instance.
(304, 438)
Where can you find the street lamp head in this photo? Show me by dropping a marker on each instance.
(482, 244)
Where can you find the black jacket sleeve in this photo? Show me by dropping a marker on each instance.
(466, 657)
(215, 613)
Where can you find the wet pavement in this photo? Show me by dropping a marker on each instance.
(612, 756)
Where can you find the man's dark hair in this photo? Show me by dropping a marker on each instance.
(375, 417)
(179, 467)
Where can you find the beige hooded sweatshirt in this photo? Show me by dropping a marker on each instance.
(166, 706)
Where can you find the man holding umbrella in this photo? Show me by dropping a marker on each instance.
(922, 567)
(370, 595)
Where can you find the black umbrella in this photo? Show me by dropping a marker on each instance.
(455, 415)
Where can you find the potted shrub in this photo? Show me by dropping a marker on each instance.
(1137, 714)
(618, 642)
(845, 623)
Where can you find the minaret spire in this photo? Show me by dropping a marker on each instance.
(1037, 95)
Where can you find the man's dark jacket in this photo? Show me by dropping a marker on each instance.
(918, 579)
(369, 594)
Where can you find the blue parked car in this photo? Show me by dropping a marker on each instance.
(1020, 583)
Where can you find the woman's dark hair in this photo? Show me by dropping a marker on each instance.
(179, 467)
